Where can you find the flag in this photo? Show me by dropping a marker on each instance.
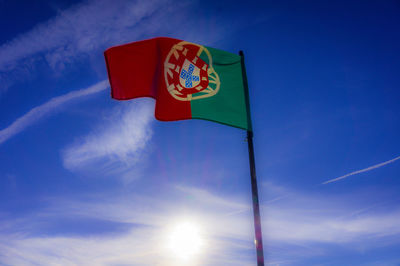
(187, 80)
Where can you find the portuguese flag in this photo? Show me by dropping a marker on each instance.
(187, 80)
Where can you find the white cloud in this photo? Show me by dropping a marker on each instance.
(76, 33)
(50, 107)
(79, 29)
(305, 226)
(143, 244)
(298, 229)
(362, 170)
(118, 143)
(312, 218)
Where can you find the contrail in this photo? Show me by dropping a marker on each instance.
(40, 111)
(362, 170)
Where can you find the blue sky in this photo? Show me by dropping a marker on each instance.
(87, 180)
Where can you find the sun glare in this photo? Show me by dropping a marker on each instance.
(184, 240)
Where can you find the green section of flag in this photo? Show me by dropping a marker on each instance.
(228, 106)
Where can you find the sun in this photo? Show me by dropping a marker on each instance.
(184, 240)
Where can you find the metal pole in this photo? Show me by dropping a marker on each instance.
(254, 190)
(256, 209)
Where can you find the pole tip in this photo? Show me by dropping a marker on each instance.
(241, 53)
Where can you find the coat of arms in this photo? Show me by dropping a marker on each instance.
(188, 72)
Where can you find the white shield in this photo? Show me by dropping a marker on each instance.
(189, 77)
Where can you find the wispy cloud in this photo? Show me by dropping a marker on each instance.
(296, 227)
(50, 107)
(144, 243)
(80, 31)
(361, 171)
(306, 226)
(118, 142)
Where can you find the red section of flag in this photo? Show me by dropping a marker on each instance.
(137, 70)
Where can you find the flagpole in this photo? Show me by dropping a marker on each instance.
(254, 190)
